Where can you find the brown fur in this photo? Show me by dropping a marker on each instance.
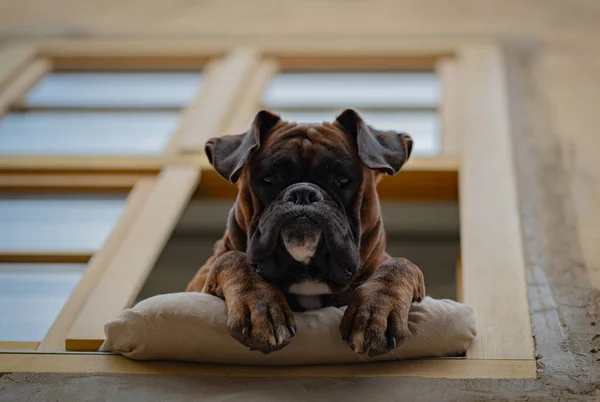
(259, 316)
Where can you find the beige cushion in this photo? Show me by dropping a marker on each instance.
(193, 327)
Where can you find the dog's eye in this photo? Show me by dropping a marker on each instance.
(270, 179)
(340, 181)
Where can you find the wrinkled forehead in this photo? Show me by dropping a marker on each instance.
(303, 142)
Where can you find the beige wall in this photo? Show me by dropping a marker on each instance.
(564, 22)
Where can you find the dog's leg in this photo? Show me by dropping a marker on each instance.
(258, 314)
(199, 280)
(376, 319)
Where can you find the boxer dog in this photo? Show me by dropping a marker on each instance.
(306, 232)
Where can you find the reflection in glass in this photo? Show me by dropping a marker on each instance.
(31, 297)
(59, 224)
(86, 133)
(140, 90)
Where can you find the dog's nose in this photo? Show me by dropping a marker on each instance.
(302, 194)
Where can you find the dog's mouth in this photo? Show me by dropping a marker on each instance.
(301, 237)
(302, 244)
(304, 236)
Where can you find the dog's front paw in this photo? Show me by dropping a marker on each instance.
(376, 320)
(261, 319)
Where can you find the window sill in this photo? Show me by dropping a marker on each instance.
(456, 368)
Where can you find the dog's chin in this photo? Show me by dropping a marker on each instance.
(297, 243)
(301, 237)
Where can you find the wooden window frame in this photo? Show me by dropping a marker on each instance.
(474, 113)
(136, 188)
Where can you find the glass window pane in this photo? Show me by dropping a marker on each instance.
(49, 133)
(57, 223)
(151, 90)
(350, 90)
(31, 297)
(423, 127)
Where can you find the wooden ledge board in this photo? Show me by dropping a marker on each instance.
(249, 103)
(409, 185)
(92, 164)
(36, 183)
(428, 368)
(219, 96)
(140, 62)
(450, 109)
(8, 256)
(14, 57)
(275, 45)
(422, 179)
(188, 114)
(56, 335)
(352, 63)
(18, 345)
(23, 82)
(153, 164)
(492, 256)
(118, 48)
(131, 262)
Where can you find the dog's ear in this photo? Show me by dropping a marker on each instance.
(229, 154)
(384, 151)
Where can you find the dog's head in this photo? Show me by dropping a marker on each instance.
(306, 191)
